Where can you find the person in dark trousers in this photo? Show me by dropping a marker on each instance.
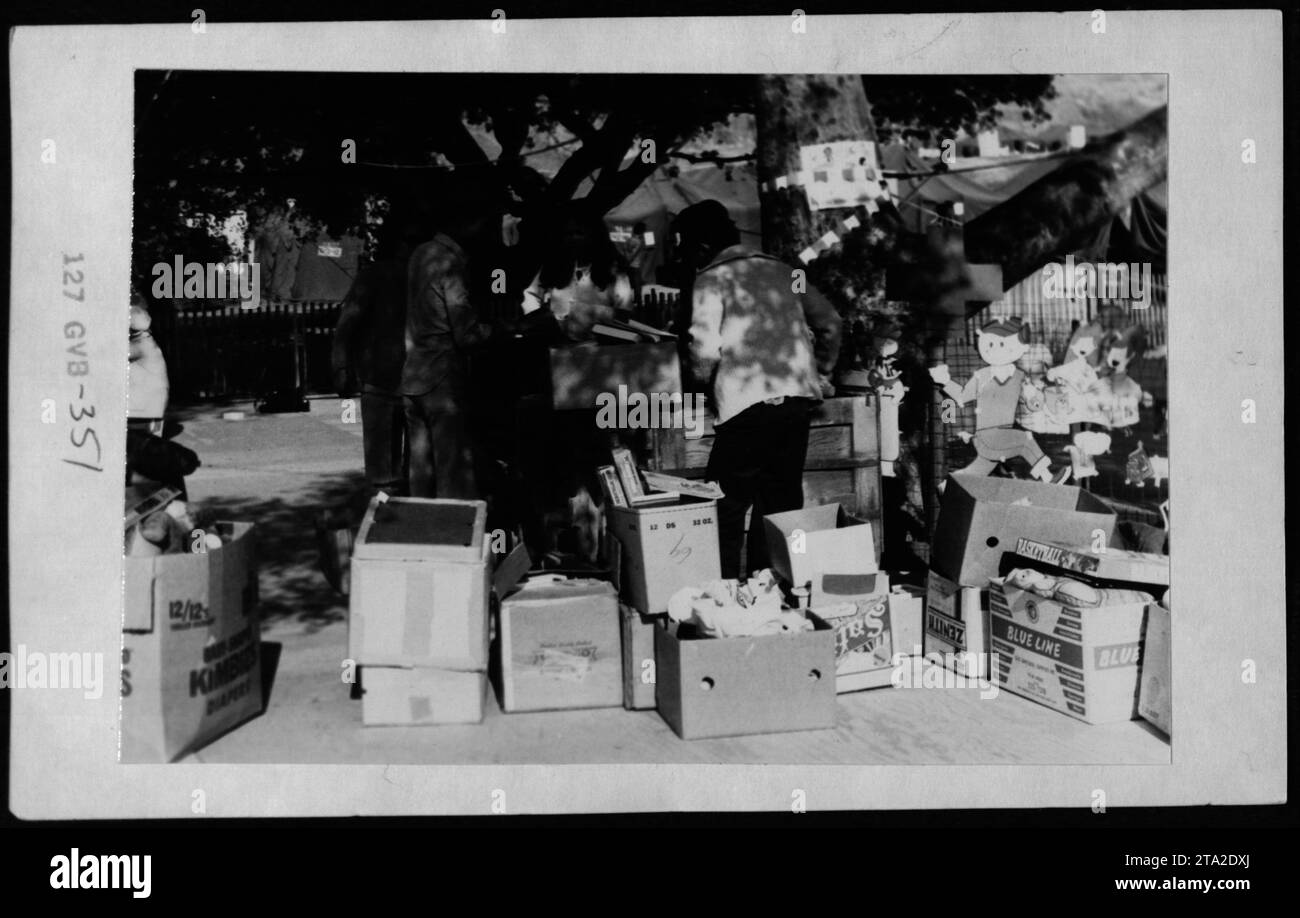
(763, 352)
(442, 332)
(370, 348)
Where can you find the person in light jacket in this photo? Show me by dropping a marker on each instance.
(763, 351)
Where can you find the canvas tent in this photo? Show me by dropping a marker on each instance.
(1136, 235)
(663, 196)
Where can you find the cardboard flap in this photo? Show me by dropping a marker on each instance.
(849, 584)
(137, 595)
(510, 570)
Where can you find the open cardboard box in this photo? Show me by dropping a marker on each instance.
(666, 547)
(707, 687)
(826, 547)
(1083, 662)
(191, 650)
(981, 517)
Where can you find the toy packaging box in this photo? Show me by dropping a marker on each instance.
(864, 639)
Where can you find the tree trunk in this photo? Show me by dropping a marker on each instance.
(1063, 210)
(795, 111)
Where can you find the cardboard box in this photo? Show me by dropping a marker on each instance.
(906, 614)
(1155, 691)
(558, 647)
(776, 683)
(981, 517)
(1082, 662)
(838, 554)
(419, 593)
(581, 373)
(957, 625)
(638, 634)
(420, 695)
(191, 651)
(864, 639)
(666, 548)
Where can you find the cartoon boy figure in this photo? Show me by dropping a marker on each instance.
(995, 389)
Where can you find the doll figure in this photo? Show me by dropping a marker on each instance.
(886, 379)
(1076, 378)
(996, 391)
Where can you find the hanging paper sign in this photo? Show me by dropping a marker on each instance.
(841, 174)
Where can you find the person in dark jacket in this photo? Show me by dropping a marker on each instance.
(370, 349)
(764, 352)
(442, 333)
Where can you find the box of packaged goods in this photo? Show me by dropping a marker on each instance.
(826, 550)
(956, 625)
(666, 548)
(906, 614)
(191, 654)
(1155, 694)
(981, 518)
(638, 635)
(1071, 640)
(731, 686)
(558, 646)
(864, 639)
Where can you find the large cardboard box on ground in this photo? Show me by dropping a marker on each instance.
(708, 687)
(981, 517)
(1155, 693)
(666, 547)
(957, 625)
(826, 547)
(558, 647)
(191, 654)
(1083, 662)
(419, 594)
(410, 696)
(582, 372)
(638, 634)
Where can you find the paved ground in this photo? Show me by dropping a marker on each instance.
(279, 471)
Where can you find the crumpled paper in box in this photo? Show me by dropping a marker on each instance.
(729, 608)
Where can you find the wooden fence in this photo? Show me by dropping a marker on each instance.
(219, 352)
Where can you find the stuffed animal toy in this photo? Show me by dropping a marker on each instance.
(1140, 468)
(996, 390)
(1120, 395)
(1087, 444)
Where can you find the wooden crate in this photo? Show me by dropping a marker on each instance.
(842, 466)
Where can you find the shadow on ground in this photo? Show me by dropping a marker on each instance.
(291, 585)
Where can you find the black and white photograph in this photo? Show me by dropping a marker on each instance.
(822, 408)
(575, 422)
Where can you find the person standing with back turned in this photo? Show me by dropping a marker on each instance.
(442, 331)
(763, 351)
